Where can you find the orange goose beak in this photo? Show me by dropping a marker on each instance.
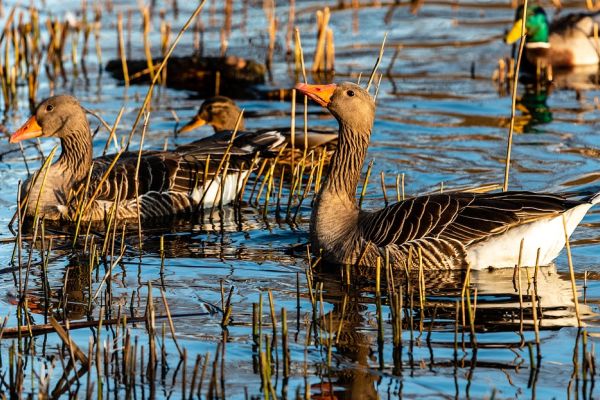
(30, 129)
(319, 93)
(196, 122)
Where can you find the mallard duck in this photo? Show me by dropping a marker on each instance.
(222, 113)
(451, 230)
(168, 182)
(567, 42)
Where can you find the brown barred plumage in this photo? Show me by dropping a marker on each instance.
(168, 182)
(442, 231)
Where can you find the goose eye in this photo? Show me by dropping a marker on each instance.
(350, 93)
(49, 107)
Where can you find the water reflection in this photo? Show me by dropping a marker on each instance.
(67, 298)
(533, 103)
(362, 325)
(535, 93)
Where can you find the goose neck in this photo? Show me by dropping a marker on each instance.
(76, 155)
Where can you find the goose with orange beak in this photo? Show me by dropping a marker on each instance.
(222, 113)
(150, 184)
(442, 231)
(30, 129)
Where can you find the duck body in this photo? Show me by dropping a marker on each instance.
(442, 231)
(567, 42)
(168, 183)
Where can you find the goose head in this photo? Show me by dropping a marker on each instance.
(58, 116)
(220, 112)
(350, 104)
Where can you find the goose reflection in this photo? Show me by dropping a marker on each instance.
(65, 298)
(359, 361)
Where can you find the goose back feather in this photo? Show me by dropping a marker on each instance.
(167, 183)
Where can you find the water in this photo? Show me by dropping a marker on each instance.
(440, 119)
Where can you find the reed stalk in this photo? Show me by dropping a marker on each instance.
(171, 324)
(121, 47)
(572, 274)
(365, 184)
(377, 63)
(511, 128)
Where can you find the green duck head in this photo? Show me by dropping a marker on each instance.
(537, 27)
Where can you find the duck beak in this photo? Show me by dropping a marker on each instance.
(196, 122)
(31, 129)
(319, 93)
(515, 32)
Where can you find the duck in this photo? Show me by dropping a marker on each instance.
(222, 114)
(453, 230)
(566, 42)
(77, 185)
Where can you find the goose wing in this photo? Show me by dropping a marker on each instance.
(314, 137)
(464, 217)
(180, 171)
(159, 172)
(244, 143)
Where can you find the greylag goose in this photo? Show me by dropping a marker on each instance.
(222, 113)
(168, 182)
(453, 230)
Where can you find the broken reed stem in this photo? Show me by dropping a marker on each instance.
(376, 66)
(378, 277)
(300, 54)
(536, 327)
(293, 133)
(365, 184)
(137, 183)
(171, 325)
(385, 198)
(322, 25)
(511, 128)
(571, 273)
(122, 54)
(112, 133)
(227, 309)
(146, 35)
(519, 288)
(41, 329)
(64, 336)
(284, 343)
(329, 51)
